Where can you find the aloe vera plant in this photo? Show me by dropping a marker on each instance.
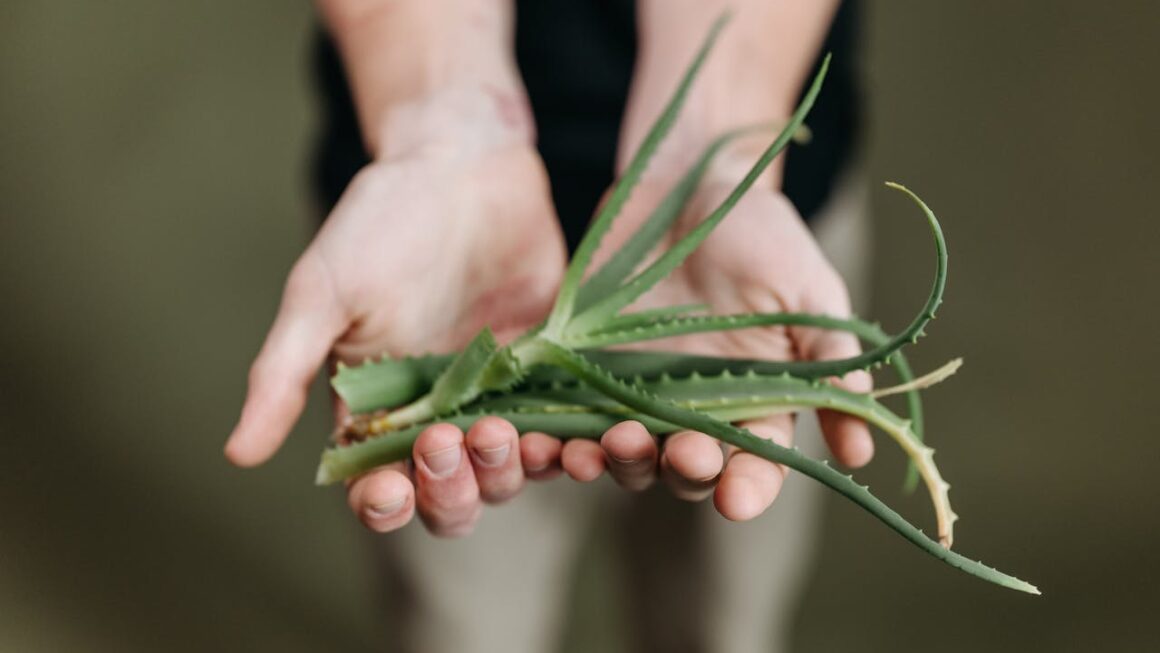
(556, 378)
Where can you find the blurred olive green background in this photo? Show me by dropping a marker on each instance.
(153, 193)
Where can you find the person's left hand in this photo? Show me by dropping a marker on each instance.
(761, 258)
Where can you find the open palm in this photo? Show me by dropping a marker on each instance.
(418, 255)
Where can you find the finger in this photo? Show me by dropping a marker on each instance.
(582, 459)
(749, 484)
(495, 456)
(308, 322)
(630, 453)
(540, 456)
(691, 464)
(447, 495)
(383, 499)
(847, 436)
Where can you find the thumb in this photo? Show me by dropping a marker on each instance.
(309, 320)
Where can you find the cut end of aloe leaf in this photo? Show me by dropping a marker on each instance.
(323, 475)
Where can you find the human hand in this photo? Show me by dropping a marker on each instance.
(761, 258)
(429, 244)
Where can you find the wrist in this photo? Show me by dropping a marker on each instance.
(455, 121)
(752, 77)
(717, 104)
(452, 58)
(687, 143)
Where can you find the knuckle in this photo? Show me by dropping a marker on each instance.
(452, 527)
(634, 482)
(449, 502)
(689, 489)
(682, 484)
(502, 492)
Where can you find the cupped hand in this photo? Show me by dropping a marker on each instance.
(761, 258)
(421, 252)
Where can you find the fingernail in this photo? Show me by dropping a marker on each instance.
(386, 509)
(495, 456)
(625, 461)
(444, 461)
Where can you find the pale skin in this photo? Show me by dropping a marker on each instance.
(452, 228)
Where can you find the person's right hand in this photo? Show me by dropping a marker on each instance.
(425, 248)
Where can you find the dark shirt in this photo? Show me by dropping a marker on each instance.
(576, 60)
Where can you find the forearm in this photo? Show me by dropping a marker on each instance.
(419, 70)
(753, 76)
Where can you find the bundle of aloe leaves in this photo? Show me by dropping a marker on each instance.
(558, 377)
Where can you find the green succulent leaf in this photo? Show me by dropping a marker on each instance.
(649, 234)
(387, 382)
(569, 288)
(593, 317)
(483, 365)
(726, 395)
(819, 470)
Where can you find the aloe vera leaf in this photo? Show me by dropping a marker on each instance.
(648, 316)
(883, 352)
(594, 316)
(921, 383)
(652, 364)
(632, 252)
(932, 304)
(874, 335)
(886, 349)
(682, 325)
(421, 372)
(823, 396)
(666, 327)
(725, 395)
(391, 382)
(566, 298)
(483, 365)
(387, 382)
(724, 389)
(733, 397)
(818, 470)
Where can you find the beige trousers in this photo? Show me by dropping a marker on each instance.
(691, 581)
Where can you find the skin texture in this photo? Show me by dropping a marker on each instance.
(452, 228)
